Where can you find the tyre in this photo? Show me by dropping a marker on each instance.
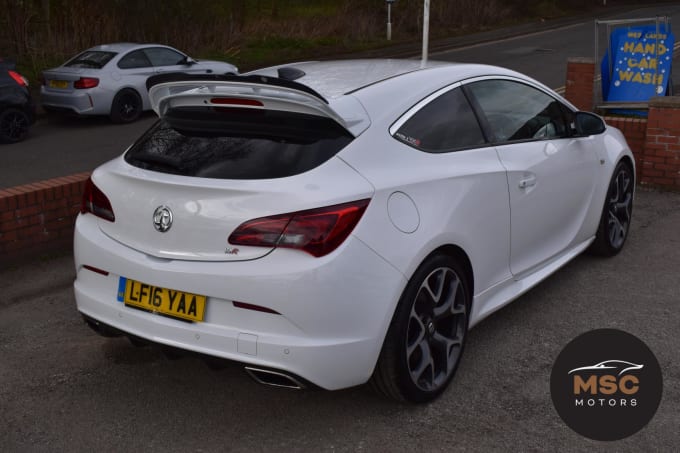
(13, 125)
(616, 214)
(126, 107)
(425, 341)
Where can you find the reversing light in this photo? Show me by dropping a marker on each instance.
(315, 231)
(86, 82)
(95, 202)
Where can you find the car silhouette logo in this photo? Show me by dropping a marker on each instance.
(162, 219)
(610, 365)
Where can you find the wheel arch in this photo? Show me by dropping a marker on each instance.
(628, 160)
(123, 90)
(461, 256)
(140, 89)
(127, 88)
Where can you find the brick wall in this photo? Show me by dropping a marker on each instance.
(661, 158)
(38, 218)
(635, 131)
(578, 88)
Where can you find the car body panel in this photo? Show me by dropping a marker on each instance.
(206, 211)
(315, 335)
(556, 179)
(334, 310)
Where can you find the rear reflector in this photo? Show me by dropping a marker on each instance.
(315, 231)
(236, 101)
(95, 269)
(254, 307)
(86, 82)
(95, 202)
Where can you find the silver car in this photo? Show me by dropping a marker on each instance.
(111, 79)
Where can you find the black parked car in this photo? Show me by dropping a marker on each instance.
(16, 105)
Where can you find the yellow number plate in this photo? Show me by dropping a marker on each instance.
(58, 84)
(177, 304)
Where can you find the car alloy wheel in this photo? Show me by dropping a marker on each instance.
(13, 125)
(436, 329)
(425, 341)
(126, 107)
(617, 212)
(620, 205)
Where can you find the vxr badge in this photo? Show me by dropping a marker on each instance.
(162, 219)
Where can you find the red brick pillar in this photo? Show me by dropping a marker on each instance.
(580, 79)
(635, 131)
(661, 158)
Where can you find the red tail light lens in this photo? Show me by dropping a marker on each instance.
(95, 202)
(18, 78)
(86, 82)
(316, 231)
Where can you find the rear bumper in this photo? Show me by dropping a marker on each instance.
(81, 102)
(334, 311)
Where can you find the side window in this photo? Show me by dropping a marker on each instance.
(515, 111)
(161, 56)
(445, 124)
(135, 59)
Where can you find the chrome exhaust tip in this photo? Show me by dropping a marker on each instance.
(274, 378)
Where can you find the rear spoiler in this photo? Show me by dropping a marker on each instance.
(253, 79)
(168, 91)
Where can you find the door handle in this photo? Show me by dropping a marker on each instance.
(528, 181)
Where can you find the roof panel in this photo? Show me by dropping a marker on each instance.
(332, 79)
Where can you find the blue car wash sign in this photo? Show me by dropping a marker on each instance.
(640, 65)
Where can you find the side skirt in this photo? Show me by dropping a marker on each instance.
(503, 293)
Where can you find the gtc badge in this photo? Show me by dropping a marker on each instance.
(162, 219)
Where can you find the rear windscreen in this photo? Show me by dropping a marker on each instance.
(235, 143)
(91, 59)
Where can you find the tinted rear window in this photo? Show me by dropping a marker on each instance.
(237, 143)
(91, 59)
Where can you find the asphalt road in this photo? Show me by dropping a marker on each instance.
(543, 55)
(59, 146)
(63, 388)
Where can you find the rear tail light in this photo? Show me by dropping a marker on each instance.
(316, 231)
(95, 202)
(86, 82)
(18, 78)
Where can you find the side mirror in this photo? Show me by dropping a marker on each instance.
(188, 61)
(586, 123)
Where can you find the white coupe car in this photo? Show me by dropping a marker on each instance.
(110, 79)
(333, 223)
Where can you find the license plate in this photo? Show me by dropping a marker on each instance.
(177, 304)
(58, 84)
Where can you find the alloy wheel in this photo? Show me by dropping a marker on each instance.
(129, 107)
(13, 126)
(436, 329)
(619, 208)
